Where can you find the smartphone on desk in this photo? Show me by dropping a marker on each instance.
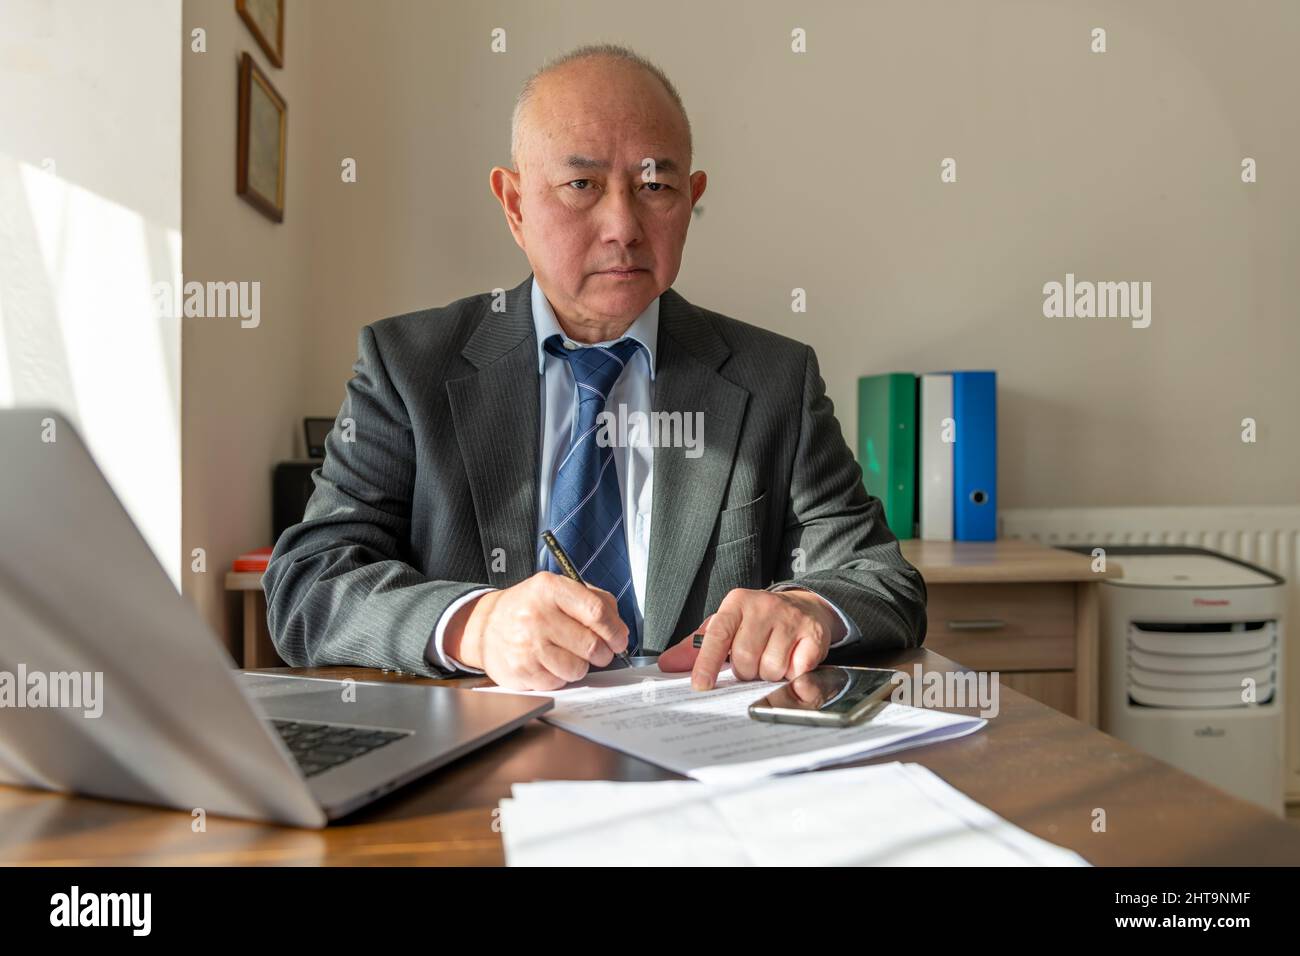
(828, 696)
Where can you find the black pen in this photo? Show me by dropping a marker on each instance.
(566, 565)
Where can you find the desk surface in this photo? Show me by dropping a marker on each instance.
(1004, 561)
(1031, 764)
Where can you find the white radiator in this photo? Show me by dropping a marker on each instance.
(1266, 536)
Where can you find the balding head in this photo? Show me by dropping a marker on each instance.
(601, 192)
(614, 55)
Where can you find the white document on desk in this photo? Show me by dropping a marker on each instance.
(710, 736)
(891, 814)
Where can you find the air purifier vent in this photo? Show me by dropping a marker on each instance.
(1209, 665)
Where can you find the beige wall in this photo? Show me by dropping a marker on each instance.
(241, 387)
(824, 175)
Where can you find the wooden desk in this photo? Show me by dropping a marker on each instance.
(1031, 764)
(1019, 608)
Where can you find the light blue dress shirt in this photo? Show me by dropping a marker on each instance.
(634, 461)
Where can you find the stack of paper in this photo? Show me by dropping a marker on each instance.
(891, 814)
(709, 735)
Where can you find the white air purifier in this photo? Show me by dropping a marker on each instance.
(1191, 666)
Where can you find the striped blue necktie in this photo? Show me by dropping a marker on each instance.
(586, 509)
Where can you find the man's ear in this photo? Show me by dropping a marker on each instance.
(505, 186)
(699, 180)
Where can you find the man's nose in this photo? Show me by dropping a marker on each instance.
(621, 220)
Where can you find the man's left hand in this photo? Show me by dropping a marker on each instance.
(770, 635)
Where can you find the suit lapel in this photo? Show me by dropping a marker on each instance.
(688, 492)
(496, 413)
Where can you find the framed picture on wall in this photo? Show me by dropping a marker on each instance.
(263, 120)
(265, 20)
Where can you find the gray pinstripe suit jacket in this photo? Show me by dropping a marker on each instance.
(407, 517)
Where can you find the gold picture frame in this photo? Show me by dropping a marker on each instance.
(260, 147)
(265, 20)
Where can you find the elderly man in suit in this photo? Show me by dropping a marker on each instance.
(467, 430)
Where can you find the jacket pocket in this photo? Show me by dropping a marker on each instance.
(736, 564)
(738, 523)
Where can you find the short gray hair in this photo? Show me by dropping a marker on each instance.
(590, 51)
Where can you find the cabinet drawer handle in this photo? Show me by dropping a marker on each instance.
(990, 624)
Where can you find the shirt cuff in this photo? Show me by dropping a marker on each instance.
(435, 653)
(850, 629)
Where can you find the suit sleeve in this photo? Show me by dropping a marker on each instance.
(338, 590)
(836, 542)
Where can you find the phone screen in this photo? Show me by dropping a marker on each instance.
(830, 689)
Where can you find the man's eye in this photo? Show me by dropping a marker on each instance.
(576, 181)
(659, 187)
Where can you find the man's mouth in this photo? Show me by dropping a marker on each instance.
(621, 272)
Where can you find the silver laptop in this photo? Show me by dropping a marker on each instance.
(111, 685)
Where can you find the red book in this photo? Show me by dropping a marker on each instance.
(255, 560)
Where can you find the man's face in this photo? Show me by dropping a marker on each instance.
(602, 200)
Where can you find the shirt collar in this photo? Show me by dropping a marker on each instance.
(645, 330)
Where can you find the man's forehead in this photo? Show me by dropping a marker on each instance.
(592, 149)
(616, 120)
(610, 140)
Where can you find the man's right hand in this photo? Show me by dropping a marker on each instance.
(538, 635)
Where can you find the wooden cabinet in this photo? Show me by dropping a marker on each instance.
(1027, 611)
(258, 648)
(1056, 689)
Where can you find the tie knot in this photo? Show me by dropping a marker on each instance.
(595, 367)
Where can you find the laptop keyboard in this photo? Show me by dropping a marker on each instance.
(321, 747)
